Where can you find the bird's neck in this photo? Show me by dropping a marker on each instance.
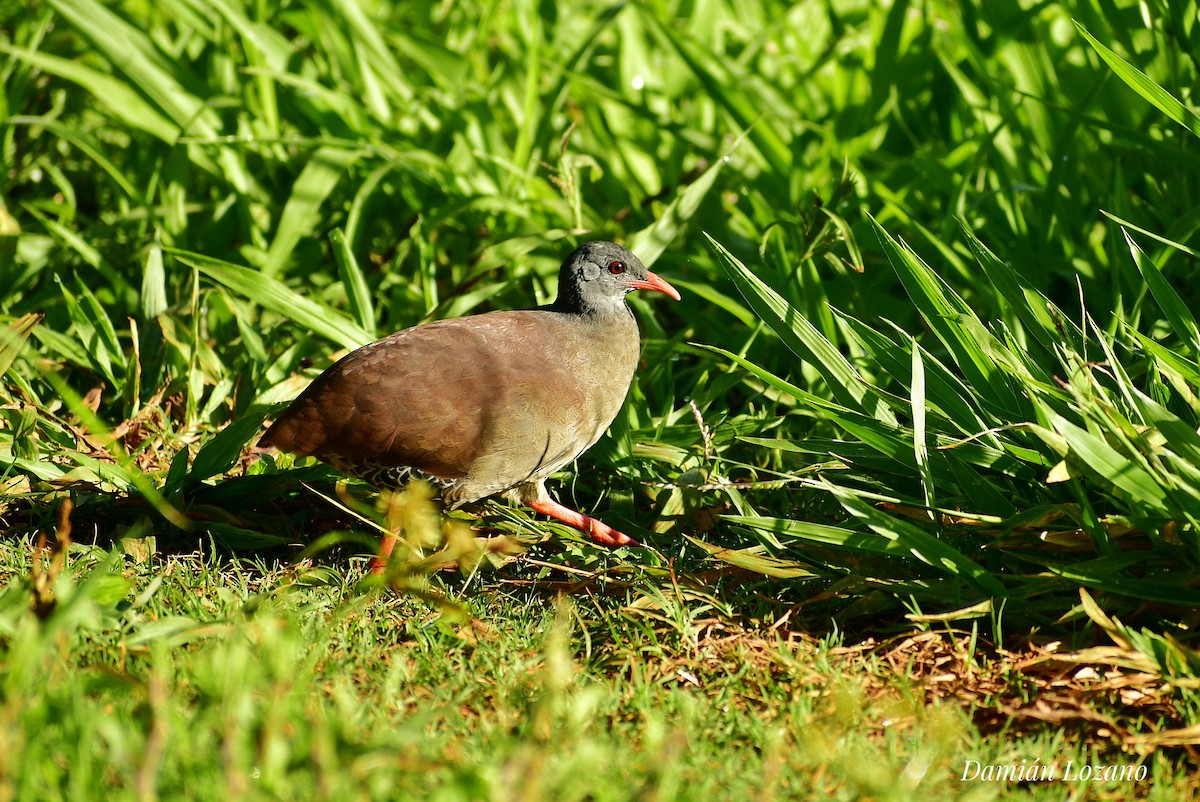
(609, 310)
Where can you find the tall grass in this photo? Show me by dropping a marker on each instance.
(936, 367)
(937, 354)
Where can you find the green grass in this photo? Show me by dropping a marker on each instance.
(934, 375)
(198, 678)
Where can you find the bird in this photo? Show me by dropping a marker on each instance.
(488, 404)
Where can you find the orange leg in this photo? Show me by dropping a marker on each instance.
(597, 530)
(379, 563)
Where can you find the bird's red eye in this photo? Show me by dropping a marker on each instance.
(616, 268)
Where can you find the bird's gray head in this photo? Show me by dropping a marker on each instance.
(596, 278)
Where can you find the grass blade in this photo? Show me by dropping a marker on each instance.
(960, 330)
(920, 444)
(804, 340)
(650, 242)
(920, 544)
(1098, 458)
(1183, 322)
(1141, 83)
(302, 212)
(13, 336)
(276, 296)
(362, 307)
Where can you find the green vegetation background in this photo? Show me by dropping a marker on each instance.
(935, 369)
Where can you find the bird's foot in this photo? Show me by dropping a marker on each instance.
(596, 529)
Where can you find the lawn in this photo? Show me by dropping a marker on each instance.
(915, 460)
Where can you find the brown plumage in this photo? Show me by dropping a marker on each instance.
(488, 404)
